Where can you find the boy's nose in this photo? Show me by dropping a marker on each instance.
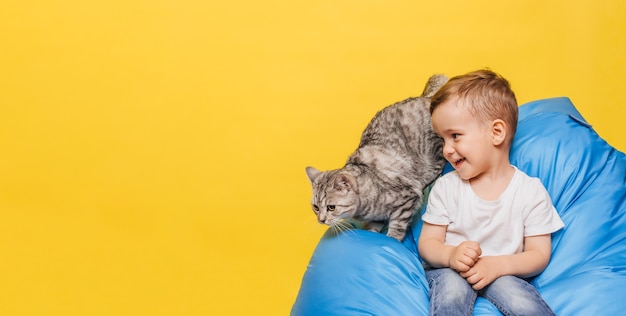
(447, 150)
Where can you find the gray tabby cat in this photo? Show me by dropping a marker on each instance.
(384, 179)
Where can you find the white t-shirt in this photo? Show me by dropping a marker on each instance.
(523, 209)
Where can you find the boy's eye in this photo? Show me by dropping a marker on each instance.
(455, 135)
(330, 208)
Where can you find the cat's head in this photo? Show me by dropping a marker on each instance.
(335, 195)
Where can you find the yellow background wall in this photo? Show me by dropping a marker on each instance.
(153, 152)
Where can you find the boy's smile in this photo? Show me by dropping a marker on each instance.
(458, 162)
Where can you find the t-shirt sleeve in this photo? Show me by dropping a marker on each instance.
(541, 218)
(436, 213)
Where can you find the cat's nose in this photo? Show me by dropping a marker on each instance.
(322, 218)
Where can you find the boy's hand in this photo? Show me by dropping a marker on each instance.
(465, 255)
(530, 262)
(483, 272)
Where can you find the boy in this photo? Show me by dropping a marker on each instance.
(487, 224)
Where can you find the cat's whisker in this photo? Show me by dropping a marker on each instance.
(346, 227)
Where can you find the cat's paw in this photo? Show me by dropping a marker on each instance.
(398, 235)
(376, 227)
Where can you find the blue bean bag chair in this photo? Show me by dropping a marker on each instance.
(363, 273)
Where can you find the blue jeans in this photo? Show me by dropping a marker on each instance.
(450, 294)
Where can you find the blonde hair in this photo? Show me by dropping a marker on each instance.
(487, 94)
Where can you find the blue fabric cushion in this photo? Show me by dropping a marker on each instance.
(364, 273)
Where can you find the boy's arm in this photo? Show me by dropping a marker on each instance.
(432, 249)
(532, 261)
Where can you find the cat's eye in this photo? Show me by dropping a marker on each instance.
(316, 209)
(330, 208)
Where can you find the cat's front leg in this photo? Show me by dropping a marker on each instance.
(399, 222)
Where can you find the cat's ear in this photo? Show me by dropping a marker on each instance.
(345, 182)
(434, 83)
(312, 174)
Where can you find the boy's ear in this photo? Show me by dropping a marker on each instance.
(498, 132)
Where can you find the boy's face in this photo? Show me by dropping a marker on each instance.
(467, 140)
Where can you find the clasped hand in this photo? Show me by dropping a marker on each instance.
(478, 271)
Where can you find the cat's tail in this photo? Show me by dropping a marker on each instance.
(434, 83)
